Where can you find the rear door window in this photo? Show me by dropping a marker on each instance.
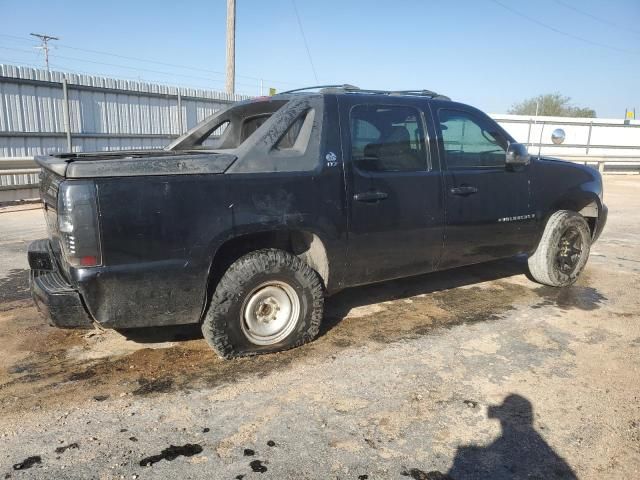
(387, 138)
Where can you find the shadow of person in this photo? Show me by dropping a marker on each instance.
(520, 452)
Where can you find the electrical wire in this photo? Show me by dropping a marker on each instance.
(66, 69)
(561, 32)
(304, 39)
(137, 69)
(146, 60)
(596, 18)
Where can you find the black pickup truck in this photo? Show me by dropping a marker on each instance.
(249, 219)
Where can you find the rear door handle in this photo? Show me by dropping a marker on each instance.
(370, 197)
(465, 190)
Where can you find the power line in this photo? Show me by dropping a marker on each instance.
(304, 39)
(140, 79)
(156, 62)
(137, 69)
(560, 32)
(596, 18)
(20, 63)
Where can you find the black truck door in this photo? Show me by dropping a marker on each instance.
(396, 213)
(489, 206)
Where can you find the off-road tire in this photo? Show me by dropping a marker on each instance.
(543, 263)
(222, 327)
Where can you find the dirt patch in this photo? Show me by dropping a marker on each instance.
(51, 367)
(48, 367)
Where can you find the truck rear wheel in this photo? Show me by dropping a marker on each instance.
(563, 250)
(267, 301)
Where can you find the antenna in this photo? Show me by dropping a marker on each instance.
(45, 45)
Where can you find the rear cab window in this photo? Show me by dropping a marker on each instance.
(270, 134)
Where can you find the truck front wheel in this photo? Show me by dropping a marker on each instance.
(268, 300)
(563, 250)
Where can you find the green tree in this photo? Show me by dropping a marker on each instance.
(553, 105)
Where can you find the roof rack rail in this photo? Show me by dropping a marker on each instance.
(346, 88)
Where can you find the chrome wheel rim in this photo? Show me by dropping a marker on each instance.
(569, 251)
(270, 313)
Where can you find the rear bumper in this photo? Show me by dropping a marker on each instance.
(54, 297)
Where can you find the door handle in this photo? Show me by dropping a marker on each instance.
(464, 190)
(370, 197)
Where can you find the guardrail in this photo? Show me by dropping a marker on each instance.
(612, 145)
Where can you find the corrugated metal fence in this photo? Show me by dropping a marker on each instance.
(44, 112)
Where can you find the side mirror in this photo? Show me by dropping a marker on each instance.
(517, 154)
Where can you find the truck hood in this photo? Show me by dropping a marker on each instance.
(136, 163)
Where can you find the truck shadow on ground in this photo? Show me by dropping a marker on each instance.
(338, 306)
(519, 452)
(444, 288)
(456, 291)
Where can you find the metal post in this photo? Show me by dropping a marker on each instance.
(231, 47)
(529, 132)
(181, 128)
(589, 136)
(540, 141)
(66, 113)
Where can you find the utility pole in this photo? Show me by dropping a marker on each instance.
(231, 47)
(45, 45)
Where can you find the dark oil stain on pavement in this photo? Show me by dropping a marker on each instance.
(155, 385)
(15, 286)
(67, 447)
(416, 474)
(85, 375)
(248, 452)
(257, 466)
(171, 453)
(28, 463)
(569, 298)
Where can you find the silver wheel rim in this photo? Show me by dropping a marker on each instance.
(270, 313)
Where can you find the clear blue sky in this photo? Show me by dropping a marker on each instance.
(476, 51)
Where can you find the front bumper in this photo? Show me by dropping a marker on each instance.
(54, 297)
(602, 220)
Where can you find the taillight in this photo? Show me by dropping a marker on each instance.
(78, 224)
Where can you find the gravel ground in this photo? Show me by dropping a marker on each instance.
(472, 373)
